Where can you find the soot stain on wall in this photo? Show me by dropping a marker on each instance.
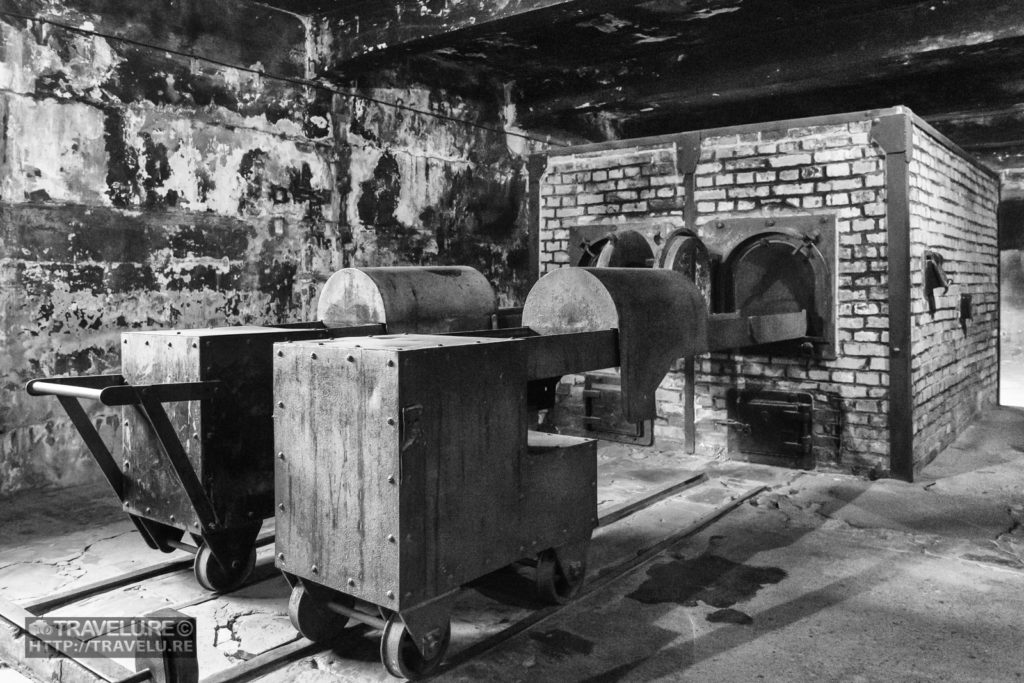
(209, 196)
(379, 197)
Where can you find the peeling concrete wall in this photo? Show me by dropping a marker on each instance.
(419, 190)
(139, 189)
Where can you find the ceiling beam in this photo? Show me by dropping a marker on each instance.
(235, 32)
(373, 28)
(889, 43)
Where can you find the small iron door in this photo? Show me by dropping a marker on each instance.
(771, 426)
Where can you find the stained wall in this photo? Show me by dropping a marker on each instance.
(141, 189)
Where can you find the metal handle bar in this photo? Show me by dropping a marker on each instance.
(112, 390)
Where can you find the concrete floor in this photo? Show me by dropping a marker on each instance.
(820, 577)
(827, 578)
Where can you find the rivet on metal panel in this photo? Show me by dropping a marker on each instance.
(147, 343)
(170, 345)
(391, 595)
(177, 332)
(391, 479)
(280, 404)
(195, 437)
(351, 359)
(770, 222)
(280, 506)
(351, 581)
(149, 510)
(195, 524)
(280, 455)
(171, 518)
(194, 345)
(391, 538)
(314, 569)
(719, 224)
(280, 353)
(125, 504)
(127, 464)
(391, 421)
(313, 356)
(280, 556)
(126, 423)
(391, 363)
(125, 341)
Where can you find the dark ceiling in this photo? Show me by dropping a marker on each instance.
(601, 68)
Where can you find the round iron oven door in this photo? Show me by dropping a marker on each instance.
(779, 273)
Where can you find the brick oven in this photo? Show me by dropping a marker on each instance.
(874, 223)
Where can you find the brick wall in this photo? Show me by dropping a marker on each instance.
(828, 169)
(953, 208)
(603, 186)
(799, 170)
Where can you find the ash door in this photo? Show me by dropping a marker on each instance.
(771, 426)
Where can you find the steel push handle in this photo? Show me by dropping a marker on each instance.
(113, 390)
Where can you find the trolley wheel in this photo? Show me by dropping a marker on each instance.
(212, 576)
(402, 658)
(558, 584)
(311, 617)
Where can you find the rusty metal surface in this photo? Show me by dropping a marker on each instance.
(660, 316)
(733, 331)
(771, 426)
(586, 242)
(781, 264)
(409, 299)
(556, 355)
(227, 439)
(417, 447)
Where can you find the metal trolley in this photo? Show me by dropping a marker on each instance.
(197, 438)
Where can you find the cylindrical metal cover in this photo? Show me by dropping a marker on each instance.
(660, 316)
(409, 299)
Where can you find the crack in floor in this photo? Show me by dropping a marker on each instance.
(67, 560)
(67, 567)
(226, 639)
